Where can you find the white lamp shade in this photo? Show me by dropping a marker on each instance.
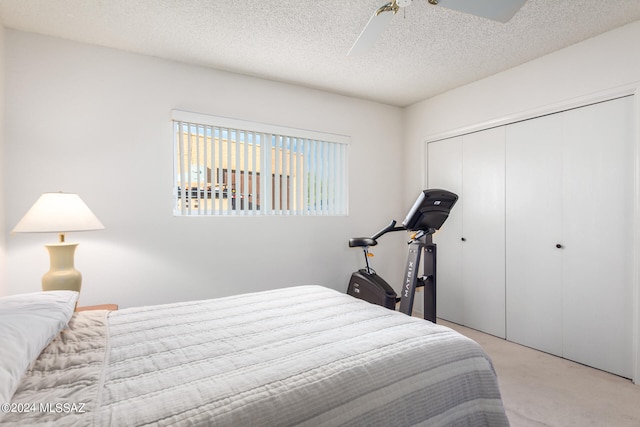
(58, 213)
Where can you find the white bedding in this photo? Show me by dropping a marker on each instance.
(28, 323)
(296, 356)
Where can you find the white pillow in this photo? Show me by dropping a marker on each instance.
(28, 323)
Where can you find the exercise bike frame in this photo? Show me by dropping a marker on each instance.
(412, 280)
(426, 216)
(421, 242)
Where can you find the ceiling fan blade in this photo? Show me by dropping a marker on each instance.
(497, 10)
(378, 22)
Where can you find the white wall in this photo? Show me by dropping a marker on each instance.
(96, 121)
(2, 205)
(602, 64)
(597, 64)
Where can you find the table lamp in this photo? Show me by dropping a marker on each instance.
(59, 213)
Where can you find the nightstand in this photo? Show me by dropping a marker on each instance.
(110, 307)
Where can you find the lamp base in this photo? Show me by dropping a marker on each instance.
(62, 275)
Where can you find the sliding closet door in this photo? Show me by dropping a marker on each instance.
(533, 230)
(569, 204)
(444, 170)
(471, 276)
(598, 235)
(483, 230)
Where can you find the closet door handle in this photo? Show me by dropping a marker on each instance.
(559, 246)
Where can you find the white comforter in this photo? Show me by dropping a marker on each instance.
(296, 356)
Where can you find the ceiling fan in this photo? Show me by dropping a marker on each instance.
(497, 10)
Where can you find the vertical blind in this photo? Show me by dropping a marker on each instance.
(231, 167)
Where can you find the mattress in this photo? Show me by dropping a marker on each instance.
(306, 355)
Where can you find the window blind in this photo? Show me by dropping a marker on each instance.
(231, 167)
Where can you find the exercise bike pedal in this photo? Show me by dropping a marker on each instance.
(422, 280)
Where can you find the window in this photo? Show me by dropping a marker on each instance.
(232, 167)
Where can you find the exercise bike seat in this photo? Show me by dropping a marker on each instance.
(359, 242)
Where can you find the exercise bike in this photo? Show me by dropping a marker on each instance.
(426, 216)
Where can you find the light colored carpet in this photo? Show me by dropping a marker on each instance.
(539, 389)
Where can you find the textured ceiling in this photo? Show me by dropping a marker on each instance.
(425, 51)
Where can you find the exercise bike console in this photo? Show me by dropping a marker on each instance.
(426, 216)
(430, 210)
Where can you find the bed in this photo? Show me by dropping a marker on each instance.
(305, 355)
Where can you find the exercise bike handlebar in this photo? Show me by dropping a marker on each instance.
(365, 242)
(387, 229)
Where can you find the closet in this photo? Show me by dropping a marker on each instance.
(471, 250)
(539, 248)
